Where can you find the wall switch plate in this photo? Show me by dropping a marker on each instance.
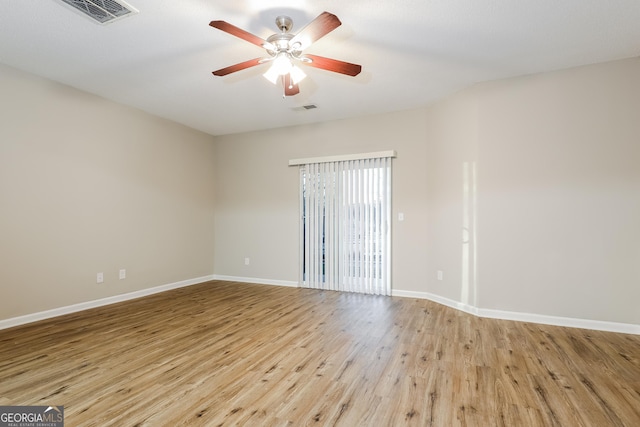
(122, 274)
(401, 216)
(100, 278)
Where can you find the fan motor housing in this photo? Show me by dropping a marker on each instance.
(281, 41)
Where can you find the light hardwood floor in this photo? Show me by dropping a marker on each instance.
(223, 353)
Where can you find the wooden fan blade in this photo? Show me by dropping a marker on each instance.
(316, 29)
(238, 32)
(333, 65)
(290, 88)
(238, 67)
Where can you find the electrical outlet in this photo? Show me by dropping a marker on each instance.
(246, 261)
(440, 274)
(122, 274)
(100, 278)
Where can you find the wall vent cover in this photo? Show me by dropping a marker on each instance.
(102, 11)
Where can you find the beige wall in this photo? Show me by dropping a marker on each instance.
(257, 192)
(524, 192)
(559, 199)
(87, 186)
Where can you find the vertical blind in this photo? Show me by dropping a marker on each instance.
(345, 225)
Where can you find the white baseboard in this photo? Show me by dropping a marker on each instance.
(21, 320)
(598, 325)
(625, 328)
(437, 298)
(256, 280)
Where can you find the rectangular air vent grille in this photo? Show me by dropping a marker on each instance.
(103, 11)
(305, 107)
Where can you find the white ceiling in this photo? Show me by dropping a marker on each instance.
(413, 52)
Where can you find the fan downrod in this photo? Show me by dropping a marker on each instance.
(284, 23)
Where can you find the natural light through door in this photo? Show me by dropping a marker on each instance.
(345, 231)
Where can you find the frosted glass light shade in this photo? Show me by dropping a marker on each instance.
(282, 65)
(297, 75)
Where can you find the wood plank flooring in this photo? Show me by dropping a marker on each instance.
(224, 353)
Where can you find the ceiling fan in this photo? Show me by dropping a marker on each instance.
(286, 50)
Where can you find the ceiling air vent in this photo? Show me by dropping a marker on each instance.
(103, 11)
(305, 107)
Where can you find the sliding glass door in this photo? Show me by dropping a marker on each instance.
(345, 225)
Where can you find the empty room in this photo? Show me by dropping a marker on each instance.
(294, 213)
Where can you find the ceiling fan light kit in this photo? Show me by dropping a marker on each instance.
(286, 49)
